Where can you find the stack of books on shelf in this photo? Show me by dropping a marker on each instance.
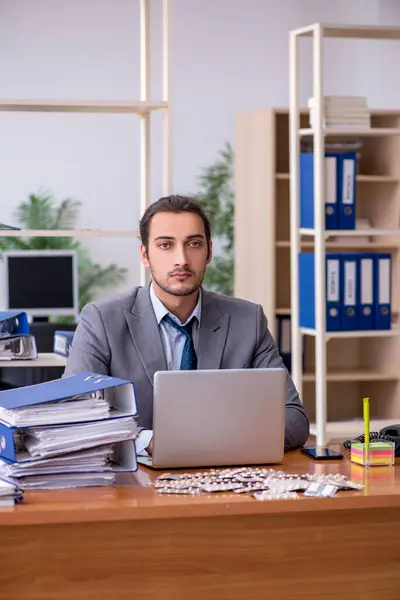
(77, 431)
(16, 342)
(342, 112)
(358, 291)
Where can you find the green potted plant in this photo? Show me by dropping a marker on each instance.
(217, 197)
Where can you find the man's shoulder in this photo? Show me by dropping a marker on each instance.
(231, 303)
(123, 301)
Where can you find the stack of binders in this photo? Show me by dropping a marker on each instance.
(77, 431)
(358, 291)
(16, 343)
(340, 190)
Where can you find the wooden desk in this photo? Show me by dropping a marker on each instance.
(129, 542)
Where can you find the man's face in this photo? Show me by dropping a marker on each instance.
(178, 254)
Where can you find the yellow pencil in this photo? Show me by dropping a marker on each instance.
(366, 428)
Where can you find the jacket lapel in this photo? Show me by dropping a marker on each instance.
(212, 333)
(145, 333)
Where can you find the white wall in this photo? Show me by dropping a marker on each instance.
(228, 55)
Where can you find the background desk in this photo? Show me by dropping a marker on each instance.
(48, 366)
(129, 542)
(45, 367)
(44, 359)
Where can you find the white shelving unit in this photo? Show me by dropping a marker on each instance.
(322, 429)
(143, 108)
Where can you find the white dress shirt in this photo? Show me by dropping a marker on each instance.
(173, 343)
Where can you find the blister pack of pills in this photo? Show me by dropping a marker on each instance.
(261, 483)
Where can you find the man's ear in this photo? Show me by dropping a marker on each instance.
(144, 256)
(209, 252)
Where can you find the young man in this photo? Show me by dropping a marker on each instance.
(174, 323)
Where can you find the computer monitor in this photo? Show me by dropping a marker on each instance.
(43, 283)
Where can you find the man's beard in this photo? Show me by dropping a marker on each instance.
(180, 292)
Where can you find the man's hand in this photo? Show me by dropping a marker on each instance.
(149, 448)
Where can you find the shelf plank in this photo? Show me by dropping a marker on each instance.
(360, 178)
(69, 233)
(374, 112)
(368, 232)
(353, 131)
(355, 334)
(354, 244)
(371, 32)
(344, 430)
(287, 311)
(343, 375)
(137, 107)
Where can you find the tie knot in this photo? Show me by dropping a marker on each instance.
(185, 329)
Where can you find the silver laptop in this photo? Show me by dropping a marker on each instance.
(210, 418)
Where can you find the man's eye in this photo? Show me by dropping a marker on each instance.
(195, 244)
(164, 245)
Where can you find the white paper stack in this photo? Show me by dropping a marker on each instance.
(342, 112)
(95, 466)
(10, 493)
(43, 442)
(84, 407)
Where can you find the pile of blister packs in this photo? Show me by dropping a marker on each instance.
(261, 483)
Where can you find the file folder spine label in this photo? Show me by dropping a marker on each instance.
(333, 316)
(347, 191)
(382, 290)
(333, 280)
(366, 292)
(331, 192)
(349, 313)
(348, 181)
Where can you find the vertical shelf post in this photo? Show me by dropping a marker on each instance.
(166, 96)
(294, 167)
(319, 238)
(145, 95)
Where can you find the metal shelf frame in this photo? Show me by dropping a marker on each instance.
(319, 133)
(143, 108)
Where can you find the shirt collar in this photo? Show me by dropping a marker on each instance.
(160, 310)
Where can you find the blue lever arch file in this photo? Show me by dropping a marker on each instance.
(307, 190)
(365, 291)
(55, 402)
(349, 286)
(383, 290)
(333, 291)
(118, 457)
(62, 342)
(13, 322)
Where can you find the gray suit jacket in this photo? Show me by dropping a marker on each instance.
(120, 337)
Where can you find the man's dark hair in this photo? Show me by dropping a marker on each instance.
(176, 204)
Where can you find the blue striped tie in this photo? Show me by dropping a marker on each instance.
(189, 358)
